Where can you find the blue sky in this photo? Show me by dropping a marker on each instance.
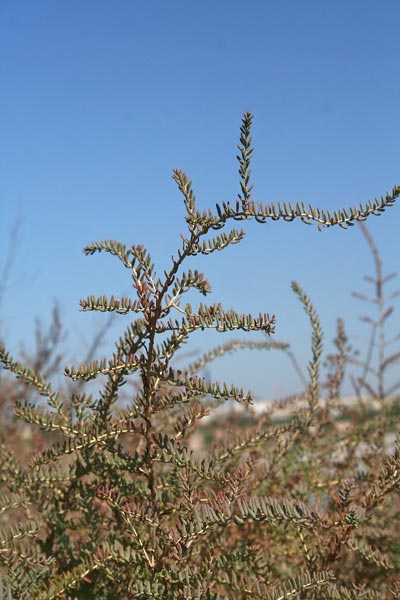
(100, 101)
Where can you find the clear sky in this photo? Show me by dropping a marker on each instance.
(101, 100)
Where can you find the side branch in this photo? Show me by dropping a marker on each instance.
(344, 217)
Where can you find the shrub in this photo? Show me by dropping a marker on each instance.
(299, 502)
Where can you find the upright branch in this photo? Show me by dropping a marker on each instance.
(316, 347)
(246, 152)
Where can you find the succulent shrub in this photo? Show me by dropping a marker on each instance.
(298, 502)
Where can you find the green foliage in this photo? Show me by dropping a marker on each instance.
(116, 500)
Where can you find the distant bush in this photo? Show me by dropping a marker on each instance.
(114, 503)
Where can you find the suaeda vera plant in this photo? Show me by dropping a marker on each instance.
(121, 507)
